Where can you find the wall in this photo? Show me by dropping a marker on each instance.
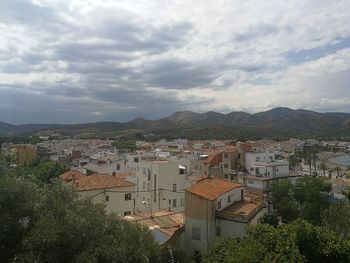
(235, 195)
(116, 201)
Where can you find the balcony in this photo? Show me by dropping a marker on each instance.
(242, 211)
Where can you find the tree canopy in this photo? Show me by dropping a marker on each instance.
(51, 224)
(305, 199)
(299, 241)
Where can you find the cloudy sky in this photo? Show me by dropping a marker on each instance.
(84, 61)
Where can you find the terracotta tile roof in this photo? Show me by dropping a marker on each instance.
(100, 181)
(71, 175)
(211, 189)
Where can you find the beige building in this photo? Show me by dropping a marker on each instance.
(115, 193)
(24, 153)
(216, 208)
(230, 164)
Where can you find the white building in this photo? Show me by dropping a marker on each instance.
(117, 194)
(160, 183)
(216, 208)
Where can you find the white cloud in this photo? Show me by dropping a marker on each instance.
(209, 55)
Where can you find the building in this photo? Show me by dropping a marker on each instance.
(24, 153)
(160, 183)
(117, 194)
(71, 176)
(167, 227)
(216, 208)
(230, 164)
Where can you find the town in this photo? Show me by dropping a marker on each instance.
(189, 193)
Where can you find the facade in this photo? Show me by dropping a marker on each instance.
(216, 208)
(24, 153)
(160, 184)
(117, 194)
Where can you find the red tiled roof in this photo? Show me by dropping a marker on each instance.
(211, 189)
(101, 181)
(71, 175)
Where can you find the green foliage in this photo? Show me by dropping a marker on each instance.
(125, 144)
(49, 223)
(337, 219)
(296, 242)
(270, 219)
(305, 199)
(41, 171)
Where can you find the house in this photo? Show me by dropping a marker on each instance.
(167, 227)
(216, 208)
(160, 184)
(117, 194)
(24, 153)
(71, 175)
(230, 164)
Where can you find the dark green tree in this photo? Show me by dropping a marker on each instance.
(49, 223)
(337, 219)
(299, 241)
(303, 199)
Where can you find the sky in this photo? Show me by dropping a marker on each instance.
(86, 61)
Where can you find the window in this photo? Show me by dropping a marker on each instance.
(226, 165)
(107, 198)
(144, 185)
(118, 166)
(226, 155)
(229, 199)
(218, 231)
(174, 202)
(196, 233)
(252, 169)
(174, 188)
(181, 171)
(182, 202)
(258, 158)
(127, 197)
(232, 177)
(127, 213)
(219, 204)
(226, 176)
(250, 182)
(136, 160)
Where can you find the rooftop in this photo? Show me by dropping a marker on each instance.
(71, 175)
(162, 223)
(211, 189)
(241, 211)
(100, 181)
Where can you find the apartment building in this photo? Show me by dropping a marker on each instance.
(216, 208)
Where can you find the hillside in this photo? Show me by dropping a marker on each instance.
(277, 122)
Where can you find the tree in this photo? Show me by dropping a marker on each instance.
(125, 144)
(337, 170)
(269, 218)
(296, 242)
(330, 172)
(323, 167)
(304, 199)
(306, 155)
(49, 223)
(292, 162)
(41, 171)
(337, 219)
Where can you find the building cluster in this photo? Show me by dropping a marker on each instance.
(188, 193)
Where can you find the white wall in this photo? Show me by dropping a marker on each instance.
(116, 201)
(235, 196)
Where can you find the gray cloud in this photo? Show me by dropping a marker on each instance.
(72, 61)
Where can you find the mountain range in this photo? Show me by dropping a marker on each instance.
(277, 122)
